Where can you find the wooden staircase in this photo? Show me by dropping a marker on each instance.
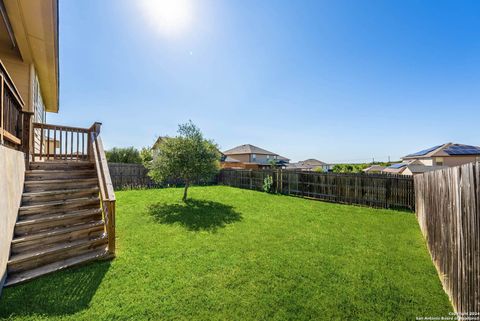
(59, 222)
(67, 213)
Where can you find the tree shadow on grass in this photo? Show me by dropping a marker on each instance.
(195, 215)
(62, 293)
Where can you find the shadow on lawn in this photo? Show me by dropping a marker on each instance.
(195, 215)
(58, 294)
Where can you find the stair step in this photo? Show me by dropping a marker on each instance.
(39, 174)
(50, 237)
(57, 184)
(58, 206)
(25, 261)
(18, 278)
(36, 224)
(62, 165)
(58, 195)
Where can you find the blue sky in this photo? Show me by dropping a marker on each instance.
(341, 81)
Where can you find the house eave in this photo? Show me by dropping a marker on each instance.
(35, 26)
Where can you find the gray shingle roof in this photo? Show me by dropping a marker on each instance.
(248, 149)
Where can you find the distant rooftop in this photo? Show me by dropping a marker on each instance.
(448, 149)
(248, 149)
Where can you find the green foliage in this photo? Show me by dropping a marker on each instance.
(146, 154)
(319, 170)
(357, 168)
(188, 156)
(236, 254)
(349, 168)
(267, 184)
(272, 162)
(123, 155)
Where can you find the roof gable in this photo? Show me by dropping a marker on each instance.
(248, 149)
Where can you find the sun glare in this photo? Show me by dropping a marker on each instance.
(169, 17)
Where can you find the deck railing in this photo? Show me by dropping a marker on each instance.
(107, 195)
(57, 142)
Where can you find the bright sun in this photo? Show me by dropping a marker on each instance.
(169, 17)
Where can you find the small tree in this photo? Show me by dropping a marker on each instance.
(188, 156)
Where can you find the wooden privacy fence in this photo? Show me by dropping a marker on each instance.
(128, 176)
(132, 176)
(448, 211)
(376, 190)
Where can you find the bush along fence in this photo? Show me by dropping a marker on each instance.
(448, 211)
(376, 190)
(135, 176)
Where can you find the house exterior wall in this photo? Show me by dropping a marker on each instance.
(426, 161)
(458, 160)
(449, 160)
(12, 175)
(20, 73)
(244, 158)
(248, 158)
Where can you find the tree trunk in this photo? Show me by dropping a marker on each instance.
(185, 191)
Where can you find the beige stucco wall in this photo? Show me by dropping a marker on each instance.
(12, 175)
(426, 161)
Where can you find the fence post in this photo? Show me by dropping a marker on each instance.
(250, 177)
(388, 192)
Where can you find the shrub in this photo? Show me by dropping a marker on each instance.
(123, 155)
(267, 184)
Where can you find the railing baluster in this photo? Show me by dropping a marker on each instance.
(83, 145)
(55, 142)
(60, 142)
(41, 142)
(66, 144)
(71, 145)
(48, 143)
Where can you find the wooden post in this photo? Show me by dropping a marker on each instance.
(250, 176)
(110, 218)
(26, 134)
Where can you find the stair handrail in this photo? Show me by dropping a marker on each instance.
(107, 194)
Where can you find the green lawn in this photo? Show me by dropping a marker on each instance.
(235, 254)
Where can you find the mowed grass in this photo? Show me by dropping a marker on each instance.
(233, 254)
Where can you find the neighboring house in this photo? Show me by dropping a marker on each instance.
(310, 164)
(374, 169)
(56, 202)
(410, 168)
(252, 157)
(448, 154)
(159, 141)
(434, 158)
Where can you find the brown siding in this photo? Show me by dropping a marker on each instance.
(458, 160)
(241, 157)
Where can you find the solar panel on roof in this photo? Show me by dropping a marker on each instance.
(462, 150)
(425, 151)
(397, 166)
